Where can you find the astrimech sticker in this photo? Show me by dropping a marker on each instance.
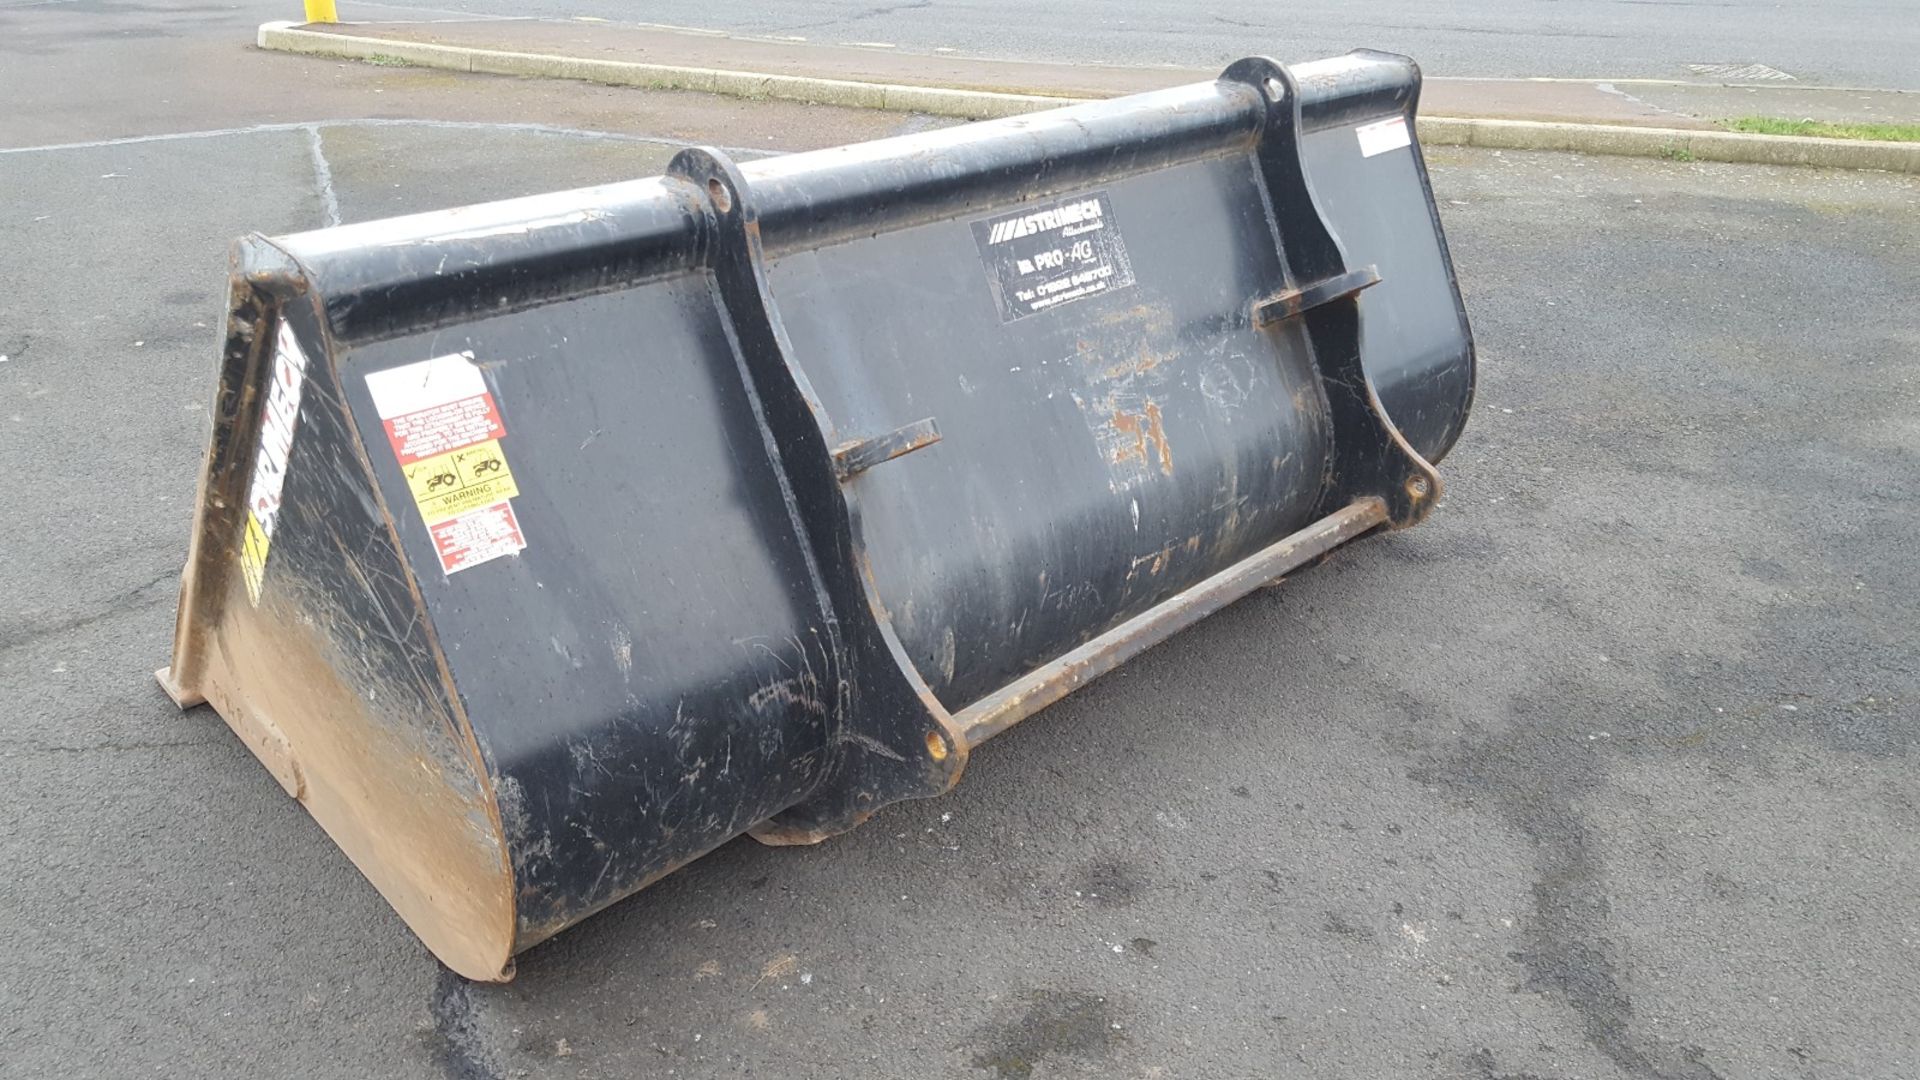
(1044, 255)
(445, 432)
(279, 416)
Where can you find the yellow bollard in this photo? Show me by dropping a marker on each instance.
(319, 11)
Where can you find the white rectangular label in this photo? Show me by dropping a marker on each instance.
(424, 385)
(1385, 135)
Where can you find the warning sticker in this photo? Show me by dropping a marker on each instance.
(279, 415)
(453, 483)
(445, 432)
(477, 536)
(1045, 255)
(420, 434)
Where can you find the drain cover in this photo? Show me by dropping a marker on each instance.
(1740, 72)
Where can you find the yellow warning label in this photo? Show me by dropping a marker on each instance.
(450, 484)
(253, 557)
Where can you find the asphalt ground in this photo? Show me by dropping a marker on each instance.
(1837, 42)
(1670, 104)
(1606, 771)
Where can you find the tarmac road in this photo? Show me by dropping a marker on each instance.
(1868, 43)
(1606, 771)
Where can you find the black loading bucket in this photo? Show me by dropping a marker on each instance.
(546, 545)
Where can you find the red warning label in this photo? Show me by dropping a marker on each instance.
(434, 406)
(477, 536)
(417, 436)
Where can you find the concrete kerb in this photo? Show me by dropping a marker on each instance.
(938, 101)
(1671, 143)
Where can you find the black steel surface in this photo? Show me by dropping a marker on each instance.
(815, 452)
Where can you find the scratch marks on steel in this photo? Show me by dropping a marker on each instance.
(1137, 433)
(801, 692)
(1156, 562)
(1113, 375)
(848, 735)
(947, 654)
(1227, 381)
(622, 645)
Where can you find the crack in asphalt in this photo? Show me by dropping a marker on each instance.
(125, 601)
(1532, 779)
(104, 747)
(859, 16)
(462, 1052)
